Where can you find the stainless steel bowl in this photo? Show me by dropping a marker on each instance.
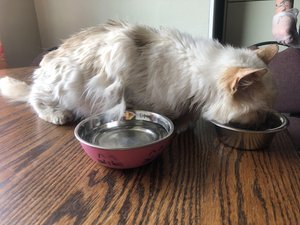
(136, 139)
(246, 139)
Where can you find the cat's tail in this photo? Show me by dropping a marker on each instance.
(14, 89)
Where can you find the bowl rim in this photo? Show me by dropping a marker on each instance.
(169, 134)
(283, 125)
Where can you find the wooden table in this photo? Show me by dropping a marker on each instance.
(46, 178)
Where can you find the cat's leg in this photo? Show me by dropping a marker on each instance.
(56, 90)
(185, 122)
(48, 108)
(51, 113)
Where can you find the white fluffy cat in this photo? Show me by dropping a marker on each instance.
(117, 65)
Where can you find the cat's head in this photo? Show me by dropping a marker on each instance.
(245, 89)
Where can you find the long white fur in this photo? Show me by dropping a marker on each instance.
(117, 65)
(15, 89)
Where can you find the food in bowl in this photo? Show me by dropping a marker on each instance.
(135, 140)
(254, 138)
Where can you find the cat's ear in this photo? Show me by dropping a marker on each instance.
(239, 78)
(267, 53)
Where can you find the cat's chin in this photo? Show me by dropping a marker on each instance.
(255, 126)
(251, 121)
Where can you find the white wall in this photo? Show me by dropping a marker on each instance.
(19, 31)
(58, 19)
(29, 26)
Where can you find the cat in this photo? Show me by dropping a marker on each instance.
(117, 65)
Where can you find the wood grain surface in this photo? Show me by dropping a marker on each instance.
(46, 178)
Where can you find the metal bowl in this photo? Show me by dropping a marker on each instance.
(250, 139)
(135, 140)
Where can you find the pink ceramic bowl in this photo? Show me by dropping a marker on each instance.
(135, 140)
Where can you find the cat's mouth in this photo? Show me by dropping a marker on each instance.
(261, 121)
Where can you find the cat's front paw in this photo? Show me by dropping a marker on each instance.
(58, 117)
(182, 127)
(188, 121)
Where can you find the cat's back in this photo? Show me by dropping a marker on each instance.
(95, 34)
(85, 47)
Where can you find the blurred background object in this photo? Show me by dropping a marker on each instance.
(3, 63)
